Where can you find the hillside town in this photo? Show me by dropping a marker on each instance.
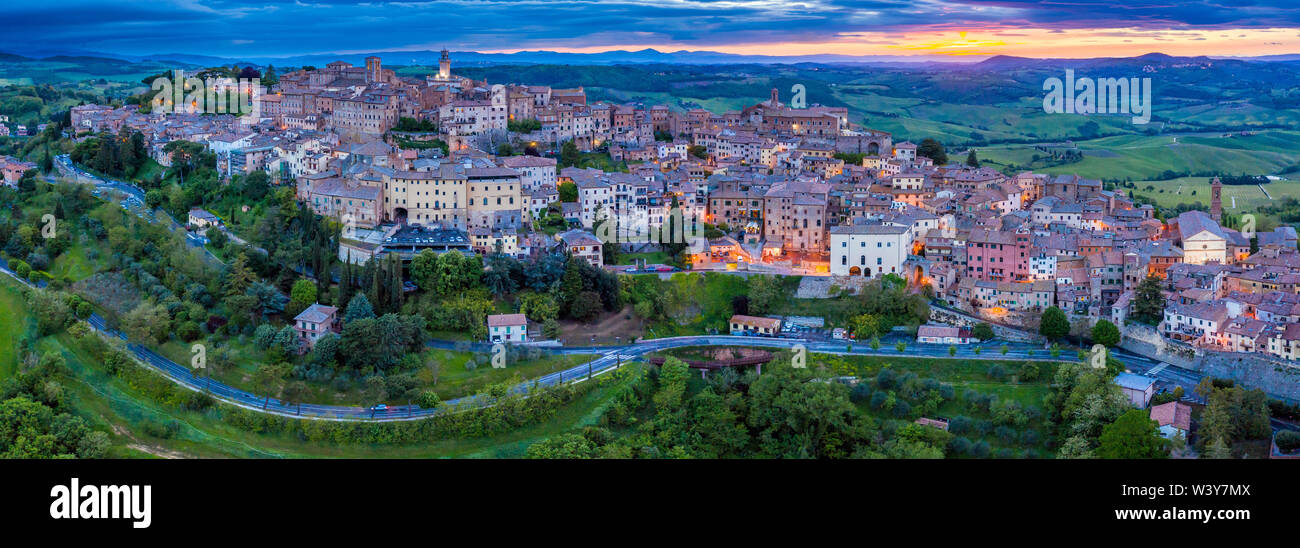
(777, 189)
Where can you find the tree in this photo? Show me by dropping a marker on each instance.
(269, 78)
(1054, 325)
(586, 307)
(971, 159)
(1132, 436)
(864, 326)
(1105, 333)
(933, 150)
(569, 155)
(1149, 301)
(288, 341)
(358, 308)
(982, 331)
(424, 270)
(301, 296)
(1218, 450)
(270, 379)
(1075, 447)
(568, 192)
(295, 392)
(149, 322)
(239, 277)
(764, 293)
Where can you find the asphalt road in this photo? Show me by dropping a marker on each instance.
(1168, 376)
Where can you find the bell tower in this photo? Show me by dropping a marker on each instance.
(444, 65)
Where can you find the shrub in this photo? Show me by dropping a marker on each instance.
(902, 409)
(1288, 440)
(429, 399)
(959, 446)
(188, 331)
(997, 372)
(1029, 372)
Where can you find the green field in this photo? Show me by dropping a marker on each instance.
(140, 426)
(1141, 157)
(14, 323)
(454, 379)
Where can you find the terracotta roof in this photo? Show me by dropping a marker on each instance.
(316, 313)
(1175, 413)
(501, 320)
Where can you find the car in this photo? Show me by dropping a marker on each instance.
(380, 407)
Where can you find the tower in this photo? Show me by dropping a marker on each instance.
(372, 69)
(775, 97)
(1216, 200)
(444, 65)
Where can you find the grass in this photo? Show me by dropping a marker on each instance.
(697, 303)
(1141, 157)
(454, 379)
(654, 257)
(114, 405)
(15, 322)
(74, 265)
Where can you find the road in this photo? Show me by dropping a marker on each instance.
(1167, 375)
(132, 199)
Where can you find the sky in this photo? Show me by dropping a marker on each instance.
(931, 28)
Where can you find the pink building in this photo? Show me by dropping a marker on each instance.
(997, 255)
(315, 322)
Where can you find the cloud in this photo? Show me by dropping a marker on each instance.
(288, 27)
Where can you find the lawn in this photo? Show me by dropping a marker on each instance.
(654, 257)
(14, 324)
(75, 264)
(1141, 157)
(454, 378)
(111, 404)
(1237, 199)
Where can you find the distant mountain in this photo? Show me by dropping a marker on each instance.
(653, 56)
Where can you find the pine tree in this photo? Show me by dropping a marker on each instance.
(1148, 301)
(345, 281)
(395, 283)
(1218, 450)
(240, 276)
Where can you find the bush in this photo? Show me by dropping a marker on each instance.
(902, 409)
(1029, 372)
(1288, 440)
(188, 331)
(429, 399)
(886, 379)
(264, 336)
(198, 401)
(959, 446)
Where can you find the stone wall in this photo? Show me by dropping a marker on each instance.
(952, 317)
(1251, 370)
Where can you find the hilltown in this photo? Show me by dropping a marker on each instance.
(770, 182)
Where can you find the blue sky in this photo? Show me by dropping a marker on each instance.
(231, 28)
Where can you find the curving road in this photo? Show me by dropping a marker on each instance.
(610, 356)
